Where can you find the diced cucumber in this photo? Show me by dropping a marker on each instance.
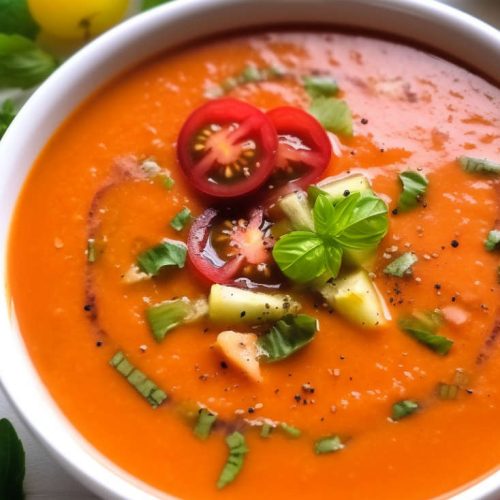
(296, 207)
(355, 297)
(336, 188)
(231, 305)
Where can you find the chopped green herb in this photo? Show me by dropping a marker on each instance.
(181, 219)
(480, 165)
(414, 188)
(12, 462)
(166, 316)
(166, 254)
(447, 391)
(237, 451)
(333, 114)
(402, 265)
(7, 114)
(320, 85)
(22, 63)
(266, 430)
(287, 336)
(149, 4)
(292, 431)
(91, 252)
(142, 384)
(404, 408)
(16, 19)
(168, 182)
(423, 327)
(251, 74)
(328, 444)
(204, 424)
(493, 240)
(356, 222)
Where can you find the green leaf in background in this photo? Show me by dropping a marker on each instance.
(287, 336)
(320, 85)
(7, 114)
(22, 63)
(12, 467)
(15, 19)
(414, 188)
(333, 114)
(149, 4)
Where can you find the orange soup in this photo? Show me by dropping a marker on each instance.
(268, 265)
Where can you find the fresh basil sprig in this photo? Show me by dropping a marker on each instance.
(12, 462)
(356, 222)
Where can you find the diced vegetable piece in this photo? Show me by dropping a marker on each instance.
(165, 316)
(402, 265)
(328, 444)
(169, 253)
(364, 258)
(447, 391)
(481, 165)
(290, 430)
(237, 451)
(287, 336)
(344, 186)
(91, 251)
(320, 85)
(404, 408)
(231, 305)
(181, 219)
(414, 188)
(356, 297)
(493, 240)
(241, 350)
(297, 209)
(142, 384)
(266, 430)
(204, 424)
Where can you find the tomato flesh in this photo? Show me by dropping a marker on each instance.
(233, 251)
(304, 150)
(227, 148)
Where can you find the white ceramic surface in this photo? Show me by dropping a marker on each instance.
(428, 22)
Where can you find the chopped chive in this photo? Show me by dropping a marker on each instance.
(320, 85)
(292, 431)
(204, 424)
(493, 240)
(181, 219)
(167, 253)
(142, 384)
(447, 391)
(91, 252)
(251, 74)
(402, 265)
(481, 165)
(266, 430)
(168, 182)
(328, 444)
(402, 409)
(414, 188)
(237, 451)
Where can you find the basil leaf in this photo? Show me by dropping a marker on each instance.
(149, 4)
(414, 187)
(402, 265)
(333, 114)
(141, 383)
(287, 336)
(22, 63)
(16, 19)
(237, 451)
(300, 255)
(328, 444)
(181, 219)
(204, 424)
(168, 253)
(333, 253)
(320, 85)
(7, 114)
(323, 215)
(361, 221)
(493, 240)
(480, 165)
(402, 409)
(12, 462)
(423, 327)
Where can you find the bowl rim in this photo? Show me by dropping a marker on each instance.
(35, 406)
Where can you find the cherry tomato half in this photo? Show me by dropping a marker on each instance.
(231, 250)
(304, 150)
(227, 148)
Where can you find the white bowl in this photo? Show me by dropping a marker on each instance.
(434, 25)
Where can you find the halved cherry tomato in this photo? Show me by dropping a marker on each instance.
(304, 150)
(233, 251)
(227, 148)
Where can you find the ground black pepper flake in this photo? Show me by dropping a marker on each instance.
(437, 286)
(453, 298)
(223, 365)
(297, 397)
(242, 314)
(87, 307)
(205, 330)
(98, 343)
(454, 243)
(469, 391)
(394, 211)
(364, 121)
(308, 388)
(251, 410)
(347, 192)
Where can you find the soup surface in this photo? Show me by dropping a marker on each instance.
(410, 111)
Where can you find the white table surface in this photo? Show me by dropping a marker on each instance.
(45, 479)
